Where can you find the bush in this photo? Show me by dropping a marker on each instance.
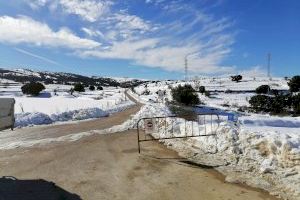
(99, 88)
(32, 88)
(202, 89)
(79, 87)
(92, 88)
(207, 93)
(185, 95)
(294, 84)
(296, 103)
(184, 112)
(286, 78)
(146, 92)
(263, 89)
(228, 91)
(275, 92)
(236, 78)
(277, 104)
(71, 91)
(261, 103)
(280, 103)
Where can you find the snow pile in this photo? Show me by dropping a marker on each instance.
(267, 157)
(256, 120)
(38, 118)
(25, 119)
(269, 160)
(79, 114)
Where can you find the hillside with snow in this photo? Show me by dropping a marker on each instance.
(27, 75)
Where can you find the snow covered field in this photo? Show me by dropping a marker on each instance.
(51, 106)
(260, 150)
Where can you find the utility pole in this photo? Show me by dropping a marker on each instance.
(269, 65)
(186, 68)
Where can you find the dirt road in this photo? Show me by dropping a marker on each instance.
(109, 167)
(57, 130)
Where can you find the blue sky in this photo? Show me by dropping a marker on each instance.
(150, 38)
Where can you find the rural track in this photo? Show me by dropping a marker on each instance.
(109, 167)
(63, 129)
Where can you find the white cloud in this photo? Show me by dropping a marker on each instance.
(149, 52)
(123, 26)
(35, 4)
(132, 22)
(92, 32)
(166, 48)
(89, 10)
(26, 30)
(150, 43)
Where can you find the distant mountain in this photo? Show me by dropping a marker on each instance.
(26, 75)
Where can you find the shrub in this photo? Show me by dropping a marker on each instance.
(236, 78)
(184, 112)
(294, 84)
(275, 92)
(202, 89)
(263, 89)
(79, 87)
(228, 91)
(99, 88)
(207, 93)
(277, 104)
(71, 91)
(146, 92)
(92, 88)
(185, 95)
(33, 88)
(286, 78)
(296, 103)
(261, 103)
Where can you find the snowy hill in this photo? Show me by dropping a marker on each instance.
(26, 75)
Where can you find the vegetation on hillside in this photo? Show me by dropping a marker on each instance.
(33, 88)
(185, 95)
(271, 101)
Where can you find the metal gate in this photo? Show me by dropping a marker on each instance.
(176, 127)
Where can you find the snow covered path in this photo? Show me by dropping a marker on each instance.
(47, 133)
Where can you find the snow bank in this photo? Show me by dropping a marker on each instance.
(79, 114)
(38, 118)
(25, 119)
(266, 159)
(256, 120)
(60, 106)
